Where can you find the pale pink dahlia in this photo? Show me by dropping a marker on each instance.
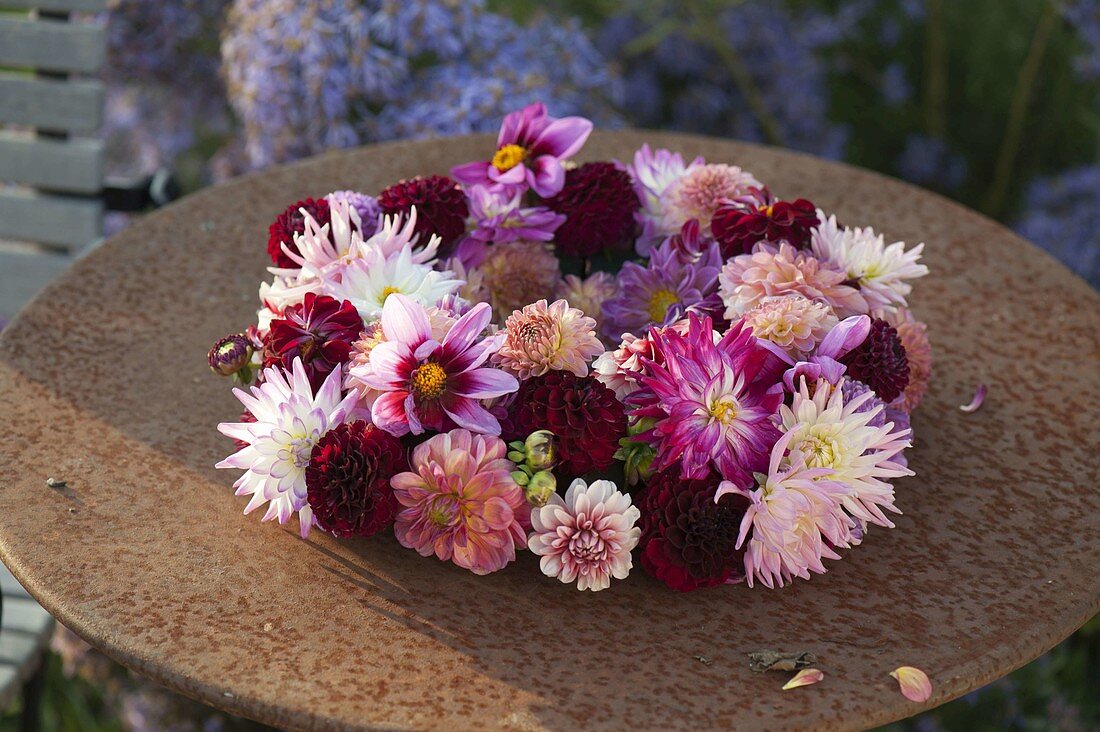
(918, 351)
(791, 322)
(794, 522)
(542, 338)
(460, 502)
(699, 192)
(519, 272)
(747, 279)
(589, 294)
(586, 537)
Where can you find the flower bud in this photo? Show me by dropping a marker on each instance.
(637, 456)
(542, 485)
(230, 355)
(541, 450)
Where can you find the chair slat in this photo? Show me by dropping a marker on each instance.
(22, 274)
(70, 166)
(54, 105)
(52, 45)
(57, 220)
(87, 6)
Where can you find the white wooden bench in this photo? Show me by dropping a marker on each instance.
(51, 163)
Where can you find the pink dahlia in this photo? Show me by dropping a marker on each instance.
(531, 147)
(780, 270)
(653, 171)
(586, 537)
(460, 502)
(791, 322)
(419, 383)
(712, 403)
(700, 192)
(543, 338)
(918, 351)
(517, 273)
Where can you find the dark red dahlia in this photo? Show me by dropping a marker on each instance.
(599, 203)
(320, 330)
(738, 225)
(582, 413)
(291, 222)
(440, 206)
(348, 479)
(880, 361)
(689, 541)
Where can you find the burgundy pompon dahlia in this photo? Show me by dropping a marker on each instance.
(348, 479)
(320, 330)
(441, 206)
(880, 361)
(739, 224)
(291, 222)
(584, 415)
(599, 203)
(689, 541)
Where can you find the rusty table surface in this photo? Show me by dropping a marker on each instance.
(103, 383)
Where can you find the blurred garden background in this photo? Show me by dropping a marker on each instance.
(994, 103)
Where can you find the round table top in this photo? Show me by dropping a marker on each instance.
(145, 553)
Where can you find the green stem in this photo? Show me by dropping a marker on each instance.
(1017, 115)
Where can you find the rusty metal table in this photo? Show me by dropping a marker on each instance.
(103, 383)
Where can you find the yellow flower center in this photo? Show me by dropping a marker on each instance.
(388, 290)
(508, 157)
(725, 410)
(820, 452)
(429, 380)
(659, 303)
(766, 210)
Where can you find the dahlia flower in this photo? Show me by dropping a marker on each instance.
(543, 338)
(773, 270)
(712, 403)
(653, 171)
(700, 191)
(498, 216)
(598, 203)
(880, 361)
(831, 433)
(881, 271)
(531, 147)
(460, 502)
(618, 370)
(289, 224)
(740, 224)
(589, 294)
(669, 286)
(289, 420)
(438, 201)
(586, 537)
(369, 281)
(794, 522)
(791, 322)
(320, 331)
(517, 273)
(363, 204)
(429, 384)
(689, 537)
(824, 361)
(918, 352)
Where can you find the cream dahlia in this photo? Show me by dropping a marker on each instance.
(586, 537)
(792, 322)
(541, 338)
(699, 192)
(367, 282)
(748, 279)
(880, 270)
(519, 272)
(289, 420)
(461, 503)
(589, 294)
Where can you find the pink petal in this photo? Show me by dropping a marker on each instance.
(805, 677)
(548, 177)
(464, 332)
(484, 384)
(388, 413)
(404, 320)
(471, 415)
(848, 334)
(976, 402)
(914, 683)
(563, 138)
(472, 173)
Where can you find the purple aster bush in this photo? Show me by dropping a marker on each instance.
(1062, 215)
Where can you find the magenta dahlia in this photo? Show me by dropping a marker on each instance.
(689, 540)
(320, 330)
(880, 361)
(712, 403)
(757, 216)
(348, 479)
(582, 413)
(440, 206)
(599, 204)
(290, 222)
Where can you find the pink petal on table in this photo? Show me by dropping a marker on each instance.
(805, 677)
(914, 683)
(979, 397)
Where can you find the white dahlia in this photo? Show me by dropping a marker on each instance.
(368, 281)
(289, 422)
(880, 270)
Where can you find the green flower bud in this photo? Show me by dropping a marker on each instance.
(541, 450)
(542, 485)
